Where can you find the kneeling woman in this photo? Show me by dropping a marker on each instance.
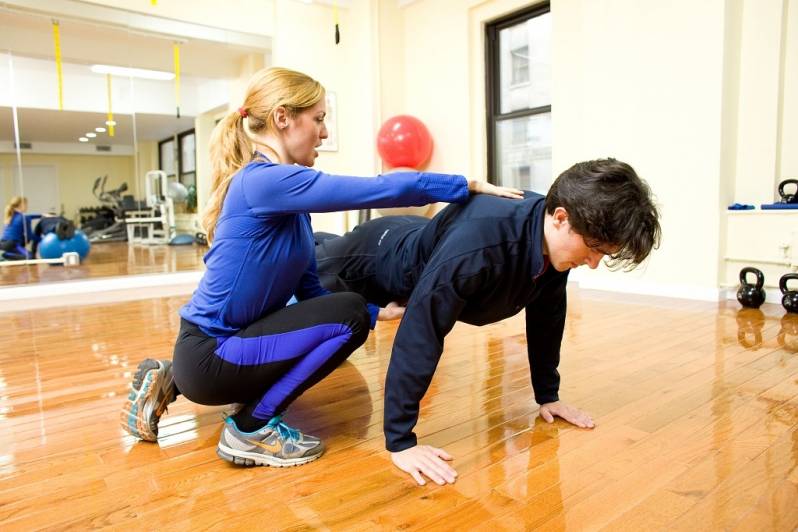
(18, 231)
(238, 341)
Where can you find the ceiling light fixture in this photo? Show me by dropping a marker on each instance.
(99, 129)
(132, 72)
(83, 139)
(91, 135)
(110, 123)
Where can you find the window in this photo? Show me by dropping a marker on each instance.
(520, 59)
(188, 157)
(177, 156)
(166, 157)
(519, 99)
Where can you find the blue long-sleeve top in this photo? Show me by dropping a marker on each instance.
(263, 250)
(20, 227)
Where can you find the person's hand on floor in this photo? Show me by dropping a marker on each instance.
(425, 461)
(569, 413)
(391, 311)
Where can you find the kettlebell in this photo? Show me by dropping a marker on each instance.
(751, 295)
(790, 298)
(785, 197)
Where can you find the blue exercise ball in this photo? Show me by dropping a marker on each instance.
(80, 244)
(51, 247)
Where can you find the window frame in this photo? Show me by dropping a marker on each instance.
(180, 163)
(493, 80)
(174, 152)
(177, 150)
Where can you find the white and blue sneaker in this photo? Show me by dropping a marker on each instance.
(275, 445)
(152, 389)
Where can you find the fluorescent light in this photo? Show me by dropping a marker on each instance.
(132, 72)
(99, 129)
(110, 123)
(83, 139)
(91, 135)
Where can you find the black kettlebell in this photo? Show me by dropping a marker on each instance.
(751, 295)
(785, 197)
(790, 299)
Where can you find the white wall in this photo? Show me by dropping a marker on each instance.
(644, 84)
(759, 102)
(304, 40)
(788, 164)
(249, 16)
(687, 92)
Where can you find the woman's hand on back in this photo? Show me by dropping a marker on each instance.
(483, 187)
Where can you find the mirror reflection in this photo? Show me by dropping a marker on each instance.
(110, 122)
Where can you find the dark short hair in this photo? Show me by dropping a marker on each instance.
(609, 205)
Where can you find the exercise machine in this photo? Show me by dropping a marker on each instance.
(154, 224)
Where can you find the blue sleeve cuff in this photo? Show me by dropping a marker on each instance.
(373, 311)
(454, 187)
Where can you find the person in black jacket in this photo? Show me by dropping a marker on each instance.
(482, 262)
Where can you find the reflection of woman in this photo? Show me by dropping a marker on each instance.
(238, 341)
(18, 231)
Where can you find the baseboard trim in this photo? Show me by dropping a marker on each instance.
(96, 291)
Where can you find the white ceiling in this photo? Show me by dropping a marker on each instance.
(85, 42)
(66, 126)
(88, 43)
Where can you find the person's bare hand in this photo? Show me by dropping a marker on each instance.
(424, 460)
(391, 311)
(569, 413)
(483, 187)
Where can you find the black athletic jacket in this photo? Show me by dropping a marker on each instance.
(478, 263)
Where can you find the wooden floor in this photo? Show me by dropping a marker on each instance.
(697, 429)
(109, 259)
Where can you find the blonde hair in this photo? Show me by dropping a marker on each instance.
(231, 145)
(15, 203)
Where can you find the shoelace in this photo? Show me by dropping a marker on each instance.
(283, 430)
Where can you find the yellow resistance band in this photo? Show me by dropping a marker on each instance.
(110, 122)
(176, 48)
(59, 73)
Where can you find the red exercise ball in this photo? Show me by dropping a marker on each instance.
(404, 141)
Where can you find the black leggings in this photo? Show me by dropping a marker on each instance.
(270, 363)
(13, 250)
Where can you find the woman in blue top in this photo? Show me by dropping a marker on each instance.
(18, 231)
(238, 341)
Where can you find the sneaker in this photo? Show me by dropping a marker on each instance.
(275, 445)
(153, 388)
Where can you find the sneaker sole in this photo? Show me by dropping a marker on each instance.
(242, 458)
(136, 400)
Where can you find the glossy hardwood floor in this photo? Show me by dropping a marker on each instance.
(696, 406)
(109, 259)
